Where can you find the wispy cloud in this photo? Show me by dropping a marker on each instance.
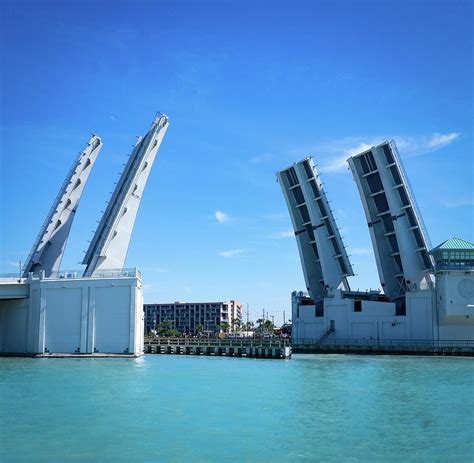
(459, 202)
(418, 146)
(282, 234)
(330, 156)
(221, 217)
(234, 252)
(438, 140)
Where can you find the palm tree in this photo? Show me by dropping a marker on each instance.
(237, 324)
(268, 325)
(199, 328)
(224, 326)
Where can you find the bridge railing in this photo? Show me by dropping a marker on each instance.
(74, 274)
(218, 342)
(11, 277)
(400, 343)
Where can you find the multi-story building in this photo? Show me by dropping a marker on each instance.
(188, 316)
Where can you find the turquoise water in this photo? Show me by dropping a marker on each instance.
(183, 409)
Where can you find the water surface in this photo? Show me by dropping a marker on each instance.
(317, 408)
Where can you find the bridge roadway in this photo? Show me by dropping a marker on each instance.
(229, 347)
(13, 287)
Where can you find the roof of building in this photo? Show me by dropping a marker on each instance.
(456, 244)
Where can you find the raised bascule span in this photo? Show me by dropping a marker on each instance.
(400, 241)
(428, 294)
(109, 246)
(98, 313)
(325, 263)
(48, 248)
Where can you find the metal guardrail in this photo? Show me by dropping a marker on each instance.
(401, 343)
(11, 277)
(106, 273)
(73, 274)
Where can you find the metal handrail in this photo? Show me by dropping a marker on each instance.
(432, 343)
(12, 277)
(73, 274)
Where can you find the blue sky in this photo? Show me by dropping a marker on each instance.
(249, 88)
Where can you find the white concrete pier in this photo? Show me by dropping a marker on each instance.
(66, 314)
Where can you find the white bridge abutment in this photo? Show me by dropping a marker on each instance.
(75, 316)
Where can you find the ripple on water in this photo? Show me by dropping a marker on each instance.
(182, 408)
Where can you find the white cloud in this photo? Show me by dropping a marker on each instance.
(339, 164)
(221, 217)
(459, 202)
(282, 234)
(438, 140)
(336, 165)
(234, 252)
(330, 156)
(418, 146)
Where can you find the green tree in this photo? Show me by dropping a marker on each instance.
(224, 326)
(237, 324)
(199, 328)
(268, 326)
(286, 329)
(167, 329)
(174, 333)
